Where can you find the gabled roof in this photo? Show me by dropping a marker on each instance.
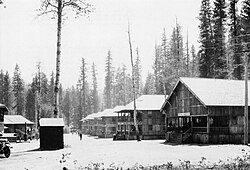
(2, 106)
(91, 116)
(146, 102)
(216, 92)
(16, 119)
(51, 122)
(105, 113)
(111, 112)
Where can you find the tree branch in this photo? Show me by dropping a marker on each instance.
(50, 4)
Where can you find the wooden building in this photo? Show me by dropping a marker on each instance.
(107, 122)
(89, 124)
(17, 123)
(51, 133)
(151, 122)
(202, 110)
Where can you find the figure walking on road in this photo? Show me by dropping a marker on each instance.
(80, 134)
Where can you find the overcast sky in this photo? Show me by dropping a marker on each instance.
(26, 39)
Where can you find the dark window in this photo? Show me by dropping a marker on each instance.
(218, 121)
(200, 121)
(150, 127)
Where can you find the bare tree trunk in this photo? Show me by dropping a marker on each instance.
(58, 55)
(133, 85)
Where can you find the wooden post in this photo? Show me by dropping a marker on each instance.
(208, 128)
(246, 100)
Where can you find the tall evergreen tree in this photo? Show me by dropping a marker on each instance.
(1, 86)
(66, 109)
(245, 20)
(30, 105)
(234, 54)
(82, 92)
(59, 9)
(219, 22)
(51, 89)
(94, 93)
(194, 64)
(245, 16)
(7, 95)
(108, 82)
(137, 72)
(176, 63)
(18, 91)
(157, 67)
(206, 39)
(74, 98)
(149, 87)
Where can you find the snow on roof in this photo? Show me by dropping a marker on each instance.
(105, 113)
(2, 106)
(51, 122)
(217, 92)
(146, 102)
(109, 113)
(118, 108)
(16, 119)
(91, 116)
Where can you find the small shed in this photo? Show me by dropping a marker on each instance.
(51, 133)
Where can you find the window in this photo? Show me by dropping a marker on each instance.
(218, 121)
(200, 121)
(150, 127)
(150, 121)
(149, 113)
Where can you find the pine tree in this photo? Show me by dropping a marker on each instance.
(44, 89)
(1, 86)
(82, 93)
(245, 21)
(30, 105)
(18, 91)
(108, 82)
(194, 63)
(137, 71)
(74, 105)
(51, 87)
(7, 95)
(206, 39)
(219, 22)
(245, 16)
(234, 54)
(149, 87)
(59, 9)
(176, 63)
(66, 109)
(94, 93)
(157, 67)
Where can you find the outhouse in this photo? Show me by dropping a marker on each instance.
(51, 133)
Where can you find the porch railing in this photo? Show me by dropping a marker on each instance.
(186, 134)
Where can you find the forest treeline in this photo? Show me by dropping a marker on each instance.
(224, 39)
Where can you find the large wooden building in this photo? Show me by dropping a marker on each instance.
(107, 122)
(151, 122)
(202, 110)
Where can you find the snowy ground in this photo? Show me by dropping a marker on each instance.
(121, 153)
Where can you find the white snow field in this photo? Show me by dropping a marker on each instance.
(120, 153)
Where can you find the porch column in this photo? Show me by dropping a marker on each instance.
(208, 128)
